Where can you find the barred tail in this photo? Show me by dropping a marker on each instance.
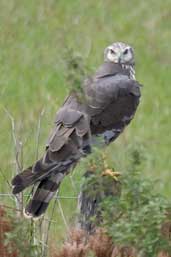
(42, 196)
(23, 180)
(41, 172)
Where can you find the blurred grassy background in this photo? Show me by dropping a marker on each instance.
(33, 38)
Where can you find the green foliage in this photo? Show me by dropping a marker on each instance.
(21, 238)
(136, 217)
(75, 69)
(76, 72)
(94, 183)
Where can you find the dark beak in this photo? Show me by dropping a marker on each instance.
(119, 60)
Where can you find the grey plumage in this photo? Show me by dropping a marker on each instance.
(111, 98)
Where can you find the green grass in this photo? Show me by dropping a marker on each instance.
(33, 38)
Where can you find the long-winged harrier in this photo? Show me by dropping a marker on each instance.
(110, 99)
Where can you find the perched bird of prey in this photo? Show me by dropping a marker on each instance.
(108, 103)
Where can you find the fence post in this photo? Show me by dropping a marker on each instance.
(95, 189)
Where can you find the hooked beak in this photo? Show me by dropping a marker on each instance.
(119, 60)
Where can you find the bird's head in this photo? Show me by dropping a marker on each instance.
(119, 53)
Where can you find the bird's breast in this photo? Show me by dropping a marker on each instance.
(116, 115)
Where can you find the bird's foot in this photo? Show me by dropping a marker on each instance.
(111, 173)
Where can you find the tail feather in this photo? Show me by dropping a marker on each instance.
(41, 198)
(23, 180)
(49, 177)
(28, 177)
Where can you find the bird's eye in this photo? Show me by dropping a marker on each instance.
(112, 51)
(126, 51)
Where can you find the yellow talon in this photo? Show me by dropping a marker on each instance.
(113, 174)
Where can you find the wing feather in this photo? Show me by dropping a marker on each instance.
(113, 102)
(69, 119)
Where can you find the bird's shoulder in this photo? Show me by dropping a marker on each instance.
(110, 69)
(111, 81)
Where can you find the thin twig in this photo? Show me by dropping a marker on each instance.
(9, 207)
(38, 133)
(5, 178)
(19, 168)
(73, 183)
(8, 183)
(10, 186)
(49, 224)
(62, 214)
(18, 149)
(42, 243)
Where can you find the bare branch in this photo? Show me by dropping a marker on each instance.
(38, 133)
(62, 214)
(18, 150)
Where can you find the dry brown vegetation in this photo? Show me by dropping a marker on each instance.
(8, 250)
(80, 244)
